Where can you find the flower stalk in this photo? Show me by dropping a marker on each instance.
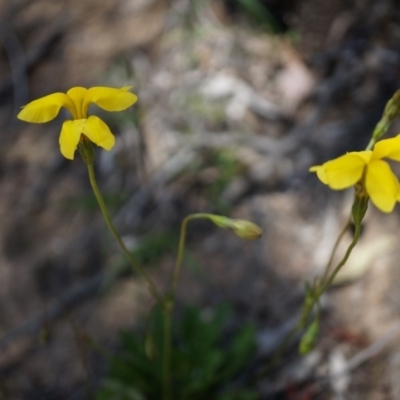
(242, 228)
(136, 266)
(372, 178)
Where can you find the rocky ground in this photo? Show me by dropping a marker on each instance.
(229, 119)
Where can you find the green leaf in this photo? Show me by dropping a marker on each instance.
(309, 338)
(261, 14)
(239, 353)
(115, 390)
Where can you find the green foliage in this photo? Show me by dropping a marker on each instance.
(153, 247)
(309, 338)
(148, 252)
(261, 14)
(89, 203)
(229, 167)
(204, 361)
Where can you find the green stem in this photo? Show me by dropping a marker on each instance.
(181, 248)
(166, 366)
(356, 236)
(335, 247)
(153, 289)
(301, 324)
(371, 144)
(168, 305)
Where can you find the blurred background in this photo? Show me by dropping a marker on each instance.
(237, 99)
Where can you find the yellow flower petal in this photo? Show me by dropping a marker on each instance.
(389, 148)
(98, 132)
(77, 95)
(320, 170)
(366, 155)
(69, 138)
(45, 109)
(344, 171)
(382, 185)
(110, 99)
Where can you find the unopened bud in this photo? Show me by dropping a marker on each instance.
(307, 341)
(246, 229)
(241, 227)
(390, 113)
(86, 150)
(392, 108)
(359, 208)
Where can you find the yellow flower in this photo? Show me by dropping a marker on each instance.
(77, 101)
(368, 169)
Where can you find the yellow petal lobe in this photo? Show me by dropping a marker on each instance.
(44, 109)
(111, 99)
(69, 137)
(366, 155)
(320, 170)
(77, 96)
(98, 132)
(344, 171)
(389, 148)
(382, 185)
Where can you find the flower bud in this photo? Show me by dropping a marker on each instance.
(392, 108)
(86, 150)
(359, 208)
(246, 229)
(390, 113)
(307, 341)
(241, 227)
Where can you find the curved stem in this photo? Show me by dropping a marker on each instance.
(153, 289)
(181, 248)
(335, 247)
(179, 258)
(344, 260)
(301, 324)
(168, 305)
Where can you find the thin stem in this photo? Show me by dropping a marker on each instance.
(166, 366)
(371, 144)
(179, 258)
(181, 248)
(300, 325)
(168, 306)
(335, 247)
(153, 289)
(356, 236)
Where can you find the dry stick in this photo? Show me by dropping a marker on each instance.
(76, 295)
(371, 350)
(79, 293)
(81, 351)
(363, 356)
(32, 57)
